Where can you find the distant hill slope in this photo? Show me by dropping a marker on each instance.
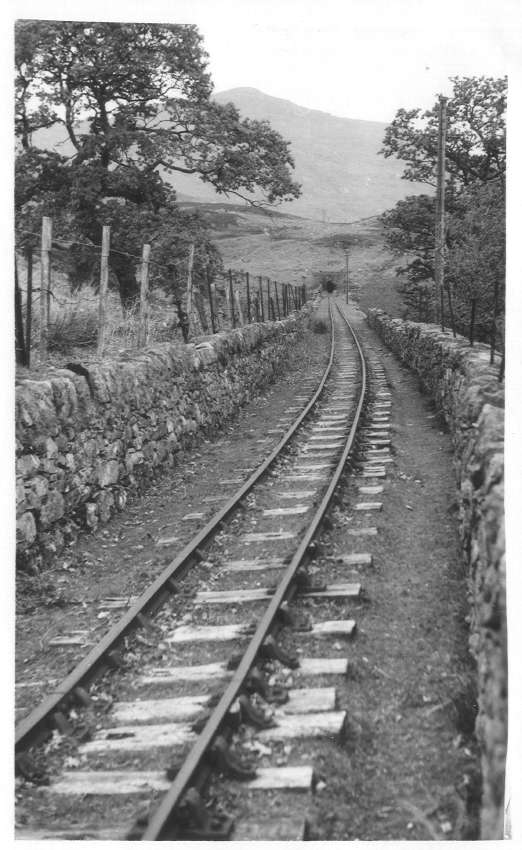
(336, 160)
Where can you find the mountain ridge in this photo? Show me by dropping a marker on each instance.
(254, 92)
(343, 176)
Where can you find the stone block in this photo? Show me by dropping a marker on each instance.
(132, 459)
(105, 502)
(27, 465)
(91, 515)
(25, 529)
(51, 448)
(52, 509)
(35, 491)
(108, 472)
(20, 495)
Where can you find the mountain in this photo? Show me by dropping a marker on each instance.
(336, 160)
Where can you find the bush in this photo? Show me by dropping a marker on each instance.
(72, 328)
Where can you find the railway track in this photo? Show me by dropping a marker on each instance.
(178, 749)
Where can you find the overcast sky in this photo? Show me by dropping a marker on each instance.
(353, 58)
(359, 58)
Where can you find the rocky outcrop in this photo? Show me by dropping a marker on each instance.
(467, 392)
(87, 437)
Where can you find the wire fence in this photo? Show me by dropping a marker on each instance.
(58, 312)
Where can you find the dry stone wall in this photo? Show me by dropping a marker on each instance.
(87, 438)
(466, 390)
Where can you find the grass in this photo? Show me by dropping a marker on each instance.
(74, 327)
(74, 323)
(285, 249)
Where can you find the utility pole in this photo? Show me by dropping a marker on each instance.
(439, 208)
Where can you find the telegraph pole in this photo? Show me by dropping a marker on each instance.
(440, 211)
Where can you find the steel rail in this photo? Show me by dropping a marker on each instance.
(39, 723)
(160, 823)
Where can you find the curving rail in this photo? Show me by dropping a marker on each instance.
(161, 821)
(43, 719)
(192, 774)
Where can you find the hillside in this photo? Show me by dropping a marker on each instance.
(343, 177)
(337, 161)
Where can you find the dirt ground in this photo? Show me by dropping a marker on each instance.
(408, 768)
(411, 767)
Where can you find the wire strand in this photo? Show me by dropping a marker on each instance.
(62, 247)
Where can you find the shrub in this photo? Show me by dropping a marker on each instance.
(74, 327)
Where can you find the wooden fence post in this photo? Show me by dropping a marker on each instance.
(231, 299)
(210, 301)
(261, 298)
(277, 300)
(249, 309)
(143, 326)
(189, 288)
(104, 288)
(239, 310)
(29, 303)
(45, 282)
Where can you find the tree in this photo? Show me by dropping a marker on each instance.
(135, 101)
(476, 259)
(409, 232)
(474, 237)
(476, 138)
